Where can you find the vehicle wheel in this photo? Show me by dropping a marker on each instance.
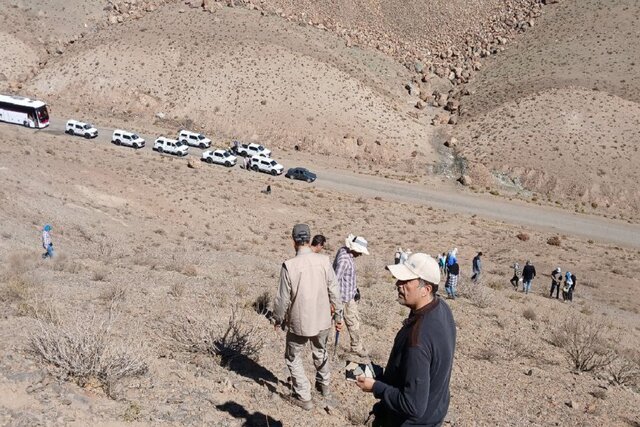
(25, 124)
(209, 160)
(287, 176)
(274, 173)
(86, 135)
(309, 180)
(160, 150)
(255, 168)
(118, 142)
(227, 164)
(203, 146)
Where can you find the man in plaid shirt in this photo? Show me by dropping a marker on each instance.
(345, 267)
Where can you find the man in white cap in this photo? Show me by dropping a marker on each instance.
(345, 267)
(307, 295)
(414, 389)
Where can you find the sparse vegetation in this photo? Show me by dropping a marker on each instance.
(237, 339)
(584, 343)
(522, 236)
(85, 350)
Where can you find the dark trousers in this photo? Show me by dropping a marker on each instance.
(555, 286)
(514, 281)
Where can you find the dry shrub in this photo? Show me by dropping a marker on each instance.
(19, 263)
(522, 236)
(190, 270)
(585, 343)
(479, 295)
(177, 290)
(487, 353)
(99, 275)
(553, 241)
(496, 285)
(625, 368)
(262, 304)
(529, 314)
(516, 347)
(235, 339)
(17, 289)
(63, 263)
(84, 350)
(114, 295)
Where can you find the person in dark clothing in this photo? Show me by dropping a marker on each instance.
(317, 243)
(528, 273)
(572, 288)
(414, 389)
(516, 276)
(556, 278)
(451, 284)
(476, 267)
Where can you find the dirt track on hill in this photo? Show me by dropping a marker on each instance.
(451, 199)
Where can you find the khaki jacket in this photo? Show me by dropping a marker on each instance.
(308, 288)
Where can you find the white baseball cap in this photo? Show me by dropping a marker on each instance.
(418, 265)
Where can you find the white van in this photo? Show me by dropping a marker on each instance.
(130, 139)
(75, 127)
(170, 146)
(194, 139)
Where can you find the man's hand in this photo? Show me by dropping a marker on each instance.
(339, 326)
(365, 383)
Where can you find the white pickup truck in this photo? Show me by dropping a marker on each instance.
(250, 150)
(170, 146)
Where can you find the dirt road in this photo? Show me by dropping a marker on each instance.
(450, 199)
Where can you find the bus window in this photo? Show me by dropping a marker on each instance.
(43, 114)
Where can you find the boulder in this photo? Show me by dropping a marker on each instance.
(453, 120)
(440, 119)
(192, 164)
(451, 142)
(419, 67)
(452, 105)
(420, 105)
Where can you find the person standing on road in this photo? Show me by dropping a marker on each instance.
(516, 276)
(47, 244)
(556, 279)
(345, 266)
(528, 273)
(414, 389)
(477, 267)
(453, 271)
(317, 243)
(307, 295)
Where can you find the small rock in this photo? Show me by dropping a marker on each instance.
(192, 164)
(419, 67)
(360, 141)
(420, 105)
(113, 19)
(529, 372)
(160, 115)
(465, 180)
(453, 120)
(451, 142)
(571, 404)
(59, 50)
(440, 119)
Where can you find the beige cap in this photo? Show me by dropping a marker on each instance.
(418, 265)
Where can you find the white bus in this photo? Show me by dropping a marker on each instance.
(23, 111)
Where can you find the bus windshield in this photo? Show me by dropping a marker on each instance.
(43, 114)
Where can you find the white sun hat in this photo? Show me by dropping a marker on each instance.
(357, 244)
(418, 265)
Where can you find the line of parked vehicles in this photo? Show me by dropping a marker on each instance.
(256, 157)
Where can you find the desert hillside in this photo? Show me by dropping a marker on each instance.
(556, 115)
(168, 252)
(155, 309)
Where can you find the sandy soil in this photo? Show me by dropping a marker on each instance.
(167, 251)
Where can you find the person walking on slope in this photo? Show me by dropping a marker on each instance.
(528, 273)
(477, 267)
(414, 388)
(345, 267)
(46, 242)
(442, 263)
(453, 271)
(516, 276)
(556, 279)
(307, 294)
(568, 285)
(574, 281)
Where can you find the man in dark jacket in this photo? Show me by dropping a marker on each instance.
(476, 266)
(528, 273)
(414, 389)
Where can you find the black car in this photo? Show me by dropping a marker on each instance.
(301, 173)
